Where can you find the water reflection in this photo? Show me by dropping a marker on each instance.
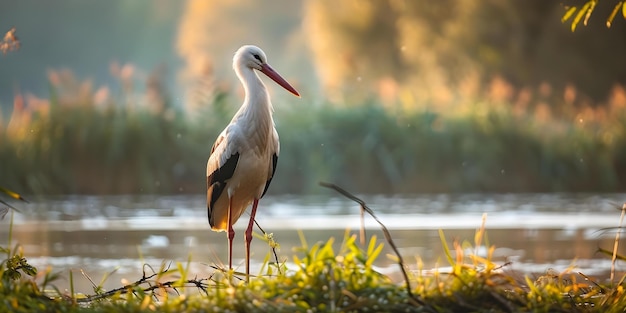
(99, 234)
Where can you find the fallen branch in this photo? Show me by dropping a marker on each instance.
(386, 232)
(152, 285)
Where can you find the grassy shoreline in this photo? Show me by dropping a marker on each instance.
(321, 278)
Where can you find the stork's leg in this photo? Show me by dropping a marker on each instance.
(231, 234)
(248, 237)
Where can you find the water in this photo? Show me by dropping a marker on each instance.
(118, 234)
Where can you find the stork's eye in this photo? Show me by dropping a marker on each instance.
(258, 57)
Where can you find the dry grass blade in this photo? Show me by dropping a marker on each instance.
(9, 206)
(609, 20)
(480, 234)
(587, 278)
(386, 232)
(616, 244)
(589, 11)
(610, 253)
(12, 194)
(362, 232)
(570, 11)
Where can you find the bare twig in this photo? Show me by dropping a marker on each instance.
(201, 284)
(602, 290)
(386, 232)
(225, 271)
(362, 232)
(272, 246)
(610, 253)
(503, 301)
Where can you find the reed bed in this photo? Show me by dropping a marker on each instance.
(83, 140)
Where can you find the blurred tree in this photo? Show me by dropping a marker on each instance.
(84, 36)
(209, 33)
(355, 43)
(422, 45)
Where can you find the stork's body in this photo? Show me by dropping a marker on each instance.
(244, 157)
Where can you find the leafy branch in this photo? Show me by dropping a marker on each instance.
(583, 13)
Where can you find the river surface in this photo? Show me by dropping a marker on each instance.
(114, 236)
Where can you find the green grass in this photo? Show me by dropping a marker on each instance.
(320, 279)
(324, 280)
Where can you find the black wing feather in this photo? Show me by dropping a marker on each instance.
(216, 182)
(269, 180)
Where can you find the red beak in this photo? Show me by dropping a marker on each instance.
(269, 71)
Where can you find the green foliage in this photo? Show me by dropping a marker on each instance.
(587, 9)
(476, 145)
(433, 45)
(323, 279)
(371, 149)
(16, 293)
(82, 148)
(16, 264)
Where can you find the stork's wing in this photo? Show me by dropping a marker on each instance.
(220, 168)
(269, 180)
(276, 147)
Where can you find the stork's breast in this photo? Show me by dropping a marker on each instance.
(251, 174)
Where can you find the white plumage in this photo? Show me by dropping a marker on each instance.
(244, 157)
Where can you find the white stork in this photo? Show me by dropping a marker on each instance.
(244, 156)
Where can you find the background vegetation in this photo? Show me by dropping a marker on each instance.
(73, 144)
(471, 96)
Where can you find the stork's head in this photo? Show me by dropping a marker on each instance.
(253, 57)
(249, 56)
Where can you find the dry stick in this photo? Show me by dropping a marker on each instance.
(198, 283)
(616, 244)
(362, 232)
(365, 208)
(273, 248)
(602, 290)
(610, 252)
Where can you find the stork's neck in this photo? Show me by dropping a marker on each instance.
(256, 110)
